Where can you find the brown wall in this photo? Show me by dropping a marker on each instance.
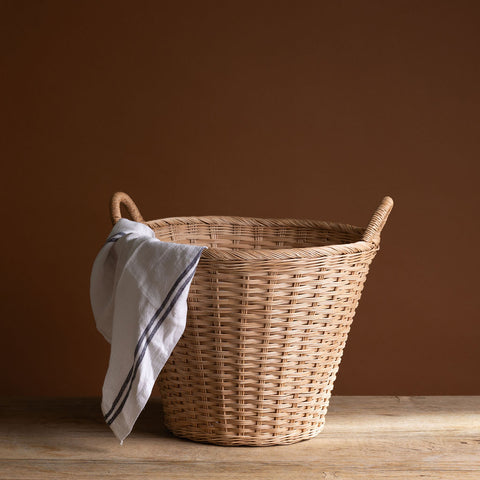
(294, 109)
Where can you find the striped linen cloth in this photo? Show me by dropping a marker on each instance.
(138, 291)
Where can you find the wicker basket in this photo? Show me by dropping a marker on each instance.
(269, 310)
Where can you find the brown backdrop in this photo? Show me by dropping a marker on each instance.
(294, 109)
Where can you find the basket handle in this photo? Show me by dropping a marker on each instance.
(115, 213)
(378, 220)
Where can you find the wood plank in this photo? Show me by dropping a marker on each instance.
(44, 469)
(380, 437)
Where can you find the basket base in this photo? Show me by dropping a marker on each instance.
(265, 440)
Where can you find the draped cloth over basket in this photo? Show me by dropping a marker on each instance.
(269, 311)
(139, 287)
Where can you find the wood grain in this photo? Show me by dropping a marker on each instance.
(364, 437)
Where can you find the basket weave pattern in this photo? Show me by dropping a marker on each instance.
(269, 311)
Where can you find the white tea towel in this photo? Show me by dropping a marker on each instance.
(138, 291)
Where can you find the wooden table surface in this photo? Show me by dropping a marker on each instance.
(364, 437)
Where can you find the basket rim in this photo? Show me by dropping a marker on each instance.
(358, 247)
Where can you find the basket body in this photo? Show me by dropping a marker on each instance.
(269, 311)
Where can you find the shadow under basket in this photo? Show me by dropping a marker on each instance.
(269, 311)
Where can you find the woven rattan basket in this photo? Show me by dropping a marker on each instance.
(269, 310)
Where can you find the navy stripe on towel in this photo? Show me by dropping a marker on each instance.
(115, 237)
(147, 337)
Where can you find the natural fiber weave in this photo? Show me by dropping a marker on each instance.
(269, 311)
